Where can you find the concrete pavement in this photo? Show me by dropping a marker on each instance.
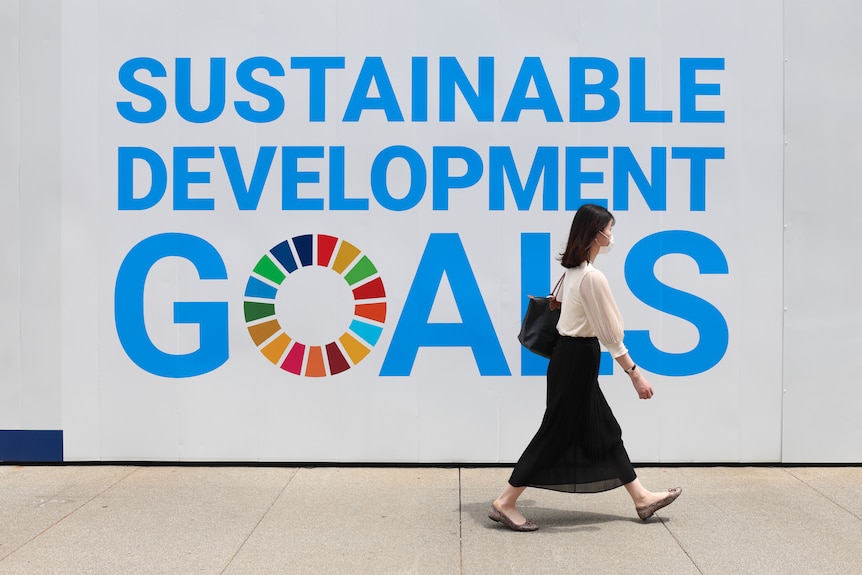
(118, 520)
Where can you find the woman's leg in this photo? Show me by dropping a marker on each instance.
(640, 495)
(507, 501)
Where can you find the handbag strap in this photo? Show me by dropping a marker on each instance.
(557, 287)
(553, 302)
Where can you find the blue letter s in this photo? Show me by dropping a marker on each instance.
(709, 322)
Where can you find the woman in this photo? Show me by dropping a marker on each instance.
(579, 447)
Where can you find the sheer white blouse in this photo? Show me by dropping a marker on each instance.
(589, 308)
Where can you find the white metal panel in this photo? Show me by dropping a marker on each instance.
(823, 214)
(40, 151)
(82, 180)
(10, 219)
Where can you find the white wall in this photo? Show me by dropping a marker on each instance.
(782, 391)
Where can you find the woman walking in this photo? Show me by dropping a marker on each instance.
(578, 447)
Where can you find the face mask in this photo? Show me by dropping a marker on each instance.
(607, 248)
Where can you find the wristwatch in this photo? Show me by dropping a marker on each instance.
(631, 369)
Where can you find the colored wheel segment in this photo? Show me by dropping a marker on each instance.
(346, 350)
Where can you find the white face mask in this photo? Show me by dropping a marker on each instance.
(607, 248)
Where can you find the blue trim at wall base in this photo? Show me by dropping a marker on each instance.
(31, 446)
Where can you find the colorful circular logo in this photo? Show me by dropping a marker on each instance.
(369, 310)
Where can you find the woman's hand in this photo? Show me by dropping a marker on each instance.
(642, 386)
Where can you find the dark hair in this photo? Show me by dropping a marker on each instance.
(589, 220)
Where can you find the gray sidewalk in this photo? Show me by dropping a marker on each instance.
(122, 520)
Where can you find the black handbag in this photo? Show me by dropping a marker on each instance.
(539, 326)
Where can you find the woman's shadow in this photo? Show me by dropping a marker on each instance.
(550, 519)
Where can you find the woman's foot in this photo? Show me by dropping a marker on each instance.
(647, 505)
(511, 518)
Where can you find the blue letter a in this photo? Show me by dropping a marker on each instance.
(444, 254)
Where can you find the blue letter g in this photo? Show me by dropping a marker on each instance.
(211, 317)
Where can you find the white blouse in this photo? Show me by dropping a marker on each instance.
(589, 308)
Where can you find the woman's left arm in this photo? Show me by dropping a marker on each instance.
(605, 318)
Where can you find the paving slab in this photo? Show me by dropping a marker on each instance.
(171, 520)
(762, 521)
(35, 498)
(841, 485)
(359, 521)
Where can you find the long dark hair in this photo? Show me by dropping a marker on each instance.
(589, 220)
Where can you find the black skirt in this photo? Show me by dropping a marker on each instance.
(579, 446)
